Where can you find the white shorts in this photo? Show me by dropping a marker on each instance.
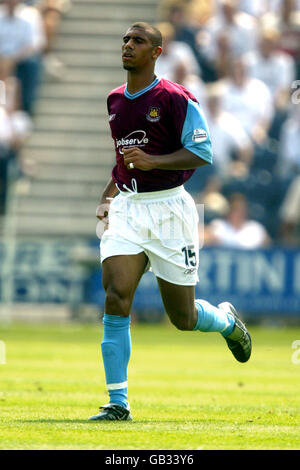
(163, 225)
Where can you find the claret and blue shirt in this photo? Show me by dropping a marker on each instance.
(160, 119)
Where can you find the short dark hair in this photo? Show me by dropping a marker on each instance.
(153, 33)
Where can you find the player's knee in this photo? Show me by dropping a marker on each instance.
(183, 322)
(117, 302)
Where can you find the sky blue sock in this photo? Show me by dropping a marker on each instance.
(212, 318)
(116, 349)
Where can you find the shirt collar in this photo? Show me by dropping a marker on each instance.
(132, 96)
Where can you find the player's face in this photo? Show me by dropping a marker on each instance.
(137, 50)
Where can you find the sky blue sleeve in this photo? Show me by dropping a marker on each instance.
(195, 135)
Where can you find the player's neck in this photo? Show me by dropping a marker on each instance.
(137, 82)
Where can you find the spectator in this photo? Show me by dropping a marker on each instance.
(216, 205)
(272, 66)
(289, 26)
(173, 54)
(198, 12)
(227, 135)
(249, 100)
(236, 231)
(258, 8)
(183, 31)
(289, 155)
(29, 71)
(187, 22)
(33, 16)
(290, 214)
(239, 29)
(253, 7)
(15, 127)
(285, 16)
(16, 37)
(5, 137)
(191, 82)
(20, 48)
(52, 12)
(279, 10)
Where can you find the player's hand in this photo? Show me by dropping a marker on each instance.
(140, 159)
(102, 212)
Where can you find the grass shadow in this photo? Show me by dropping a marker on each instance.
(133, 422)
(51, 421)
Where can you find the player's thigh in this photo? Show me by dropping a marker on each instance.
(179, 303)
(121, 275)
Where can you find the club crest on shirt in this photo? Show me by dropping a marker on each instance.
(153, 114)
(199, 135)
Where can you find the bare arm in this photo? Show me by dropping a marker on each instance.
(110, 190)
(108, 193)
(182, 159)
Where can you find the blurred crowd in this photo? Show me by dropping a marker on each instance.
(241, 60)
(27, 31)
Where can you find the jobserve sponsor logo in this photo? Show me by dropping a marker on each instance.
(134, 139)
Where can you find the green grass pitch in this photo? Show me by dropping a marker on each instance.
(185, 388)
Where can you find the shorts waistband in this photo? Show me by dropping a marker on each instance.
(153, 195)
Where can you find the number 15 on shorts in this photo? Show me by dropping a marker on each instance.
(189, 256)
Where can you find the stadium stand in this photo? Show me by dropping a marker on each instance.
(218, 30)
(69, 155)
(56, 155)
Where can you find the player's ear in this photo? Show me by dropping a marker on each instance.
(156, 52)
